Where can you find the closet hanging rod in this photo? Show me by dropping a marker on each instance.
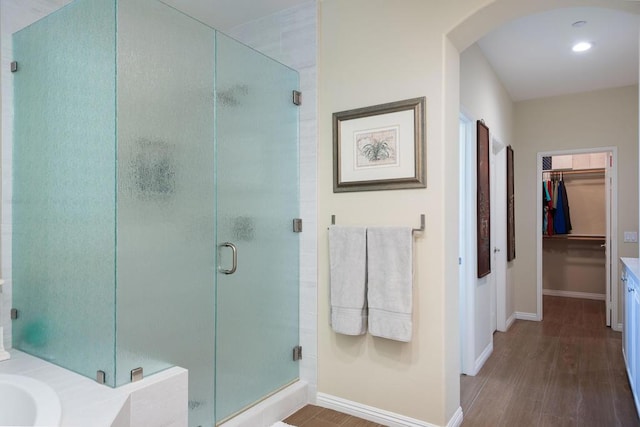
(574, 171)
(413, 230)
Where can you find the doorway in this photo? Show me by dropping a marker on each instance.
(577, 261)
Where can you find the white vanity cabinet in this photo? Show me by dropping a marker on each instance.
(631, 327)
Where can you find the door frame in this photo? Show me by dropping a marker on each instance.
(499, 233)
(466, 237)
(611, 298)
(470, 362)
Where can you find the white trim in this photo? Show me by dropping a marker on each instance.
(480, 361)
(499, 234)
(573, 294)
(527, 316)
(377, 415)
(468, 282)
(612, 238)
(456, 419)
(366, 412)
(510, 321)
(618, 327)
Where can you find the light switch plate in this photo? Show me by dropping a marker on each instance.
(630, 236)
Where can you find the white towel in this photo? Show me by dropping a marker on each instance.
(347, 259)
(390, 282)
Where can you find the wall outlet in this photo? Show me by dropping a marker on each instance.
(631, 236)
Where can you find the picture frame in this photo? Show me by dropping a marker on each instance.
(483, 200)
(381, 147)
(511, 227)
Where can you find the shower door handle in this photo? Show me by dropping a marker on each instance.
(234, 262)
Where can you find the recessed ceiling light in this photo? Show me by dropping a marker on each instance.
(582, 46)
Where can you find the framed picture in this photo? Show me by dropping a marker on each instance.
(483, 201)
(511, 210)
(380, 147)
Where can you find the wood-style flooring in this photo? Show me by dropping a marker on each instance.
(315, 416)
(567, 370)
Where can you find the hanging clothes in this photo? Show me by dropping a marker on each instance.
(545, 206)
(565, 207)
(562, 219)
(550, 210)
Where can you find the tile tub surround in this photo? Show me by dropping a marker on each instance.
(159, 399)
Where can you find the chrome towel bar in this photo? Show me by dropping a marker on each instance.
(414, 230)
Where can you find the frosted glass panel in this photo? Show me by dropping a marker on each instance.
(64, 191)
(166, 242)
(257, 170)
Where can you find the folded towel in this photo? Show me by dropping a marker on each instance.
(347, 259)
(390, 282)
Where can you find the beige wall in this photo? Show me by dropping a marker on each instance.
(587, 120)
(372, 52)
(574, 266)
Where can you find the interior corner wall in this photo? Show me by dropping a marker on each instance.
(586, 120)
(482, 96)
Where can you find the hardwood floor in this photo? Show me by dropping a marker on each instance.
(315, 416)
(567, 370)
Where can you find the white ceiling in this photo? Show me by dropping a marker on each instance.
(226, 14)
(533, 57)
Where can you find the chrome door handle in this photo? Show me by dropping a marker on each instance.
(234, 262)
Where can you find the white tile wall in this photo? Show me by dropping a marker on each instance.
(290, 37)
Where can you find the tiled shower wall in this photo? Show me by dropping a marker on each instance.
(290, 37)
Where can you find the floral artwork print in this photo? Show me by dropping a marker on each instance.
(376, 147)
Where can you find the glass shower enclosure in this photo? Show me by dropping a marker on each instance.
(155, 181)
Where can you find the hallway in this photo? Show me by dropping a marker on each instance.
(567, 370)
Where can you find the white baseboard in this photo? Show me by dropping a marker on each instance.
(510, 320)
(527, 316)
(377, 415)
(618, 327)
(456, 419)
(572, 294)
(480, 361)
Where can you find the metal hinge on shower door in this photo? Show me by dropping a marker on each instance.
(297, 225)
(297, 97)
(297, 353)
(14, 66)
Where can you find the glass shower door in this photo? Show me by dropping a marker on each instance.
(257, 200)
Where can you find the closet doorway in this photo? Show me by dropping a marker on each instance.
(577, 247)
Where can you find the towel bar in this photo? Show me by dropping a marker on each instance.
(414, 230)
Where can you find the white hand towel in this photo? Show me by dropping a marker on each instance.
(347, 259)
(390, 282)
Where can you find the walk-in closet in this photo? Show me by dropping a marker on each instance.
(574, 225)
